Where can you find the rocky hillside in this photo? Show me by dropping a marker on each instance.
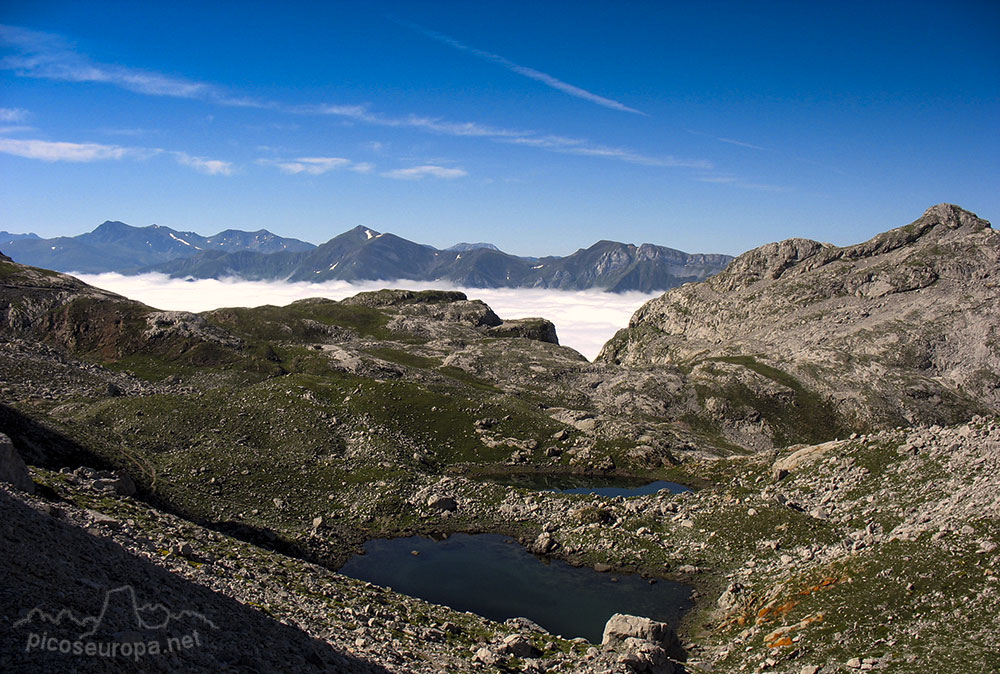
(901, 329)
(239, 456)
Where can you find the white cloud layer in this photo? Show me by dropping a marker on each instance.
(584, 319)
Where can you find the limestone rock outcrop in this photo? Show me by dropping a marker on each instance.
(900, 329)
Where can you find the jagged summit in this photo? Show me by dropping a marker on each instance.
(920, 300)
(954, 216)
(792, 256)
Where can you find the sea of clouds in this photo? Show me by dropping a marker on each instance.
(584, 319)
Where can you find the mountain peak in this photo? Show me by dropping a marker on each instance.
(954, 217)
(112, 225)
(463, 246)
(11, 236)
(773, 260)
(364, 233)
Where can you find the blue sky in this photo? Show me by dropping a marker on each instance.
(540, 127)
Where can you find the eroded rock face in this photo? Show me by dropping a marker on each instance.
(900, 329)
(163, 325)
(12, 468)
(538, 329)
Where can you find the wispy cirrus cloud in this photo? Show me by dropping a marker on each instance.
(212, 167)
(585, 148)
(362, 113)
(13, 114)
(133, 133)
(425, 171)
(736, 181)
(52, 151)
(49, 56)
(525, 137)
(531, 73)
(759, 148)
(64, 151)
(314, 166)
(730, 141)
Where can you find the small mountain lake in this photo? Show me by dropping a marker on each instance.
(495, 577)
(608, 487)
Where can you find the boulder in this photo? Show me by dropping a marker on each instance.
(520, 647)
(544, 544)
(640, 655)
(782, 467)
(486, 656)
(622, 627)
(12, 467)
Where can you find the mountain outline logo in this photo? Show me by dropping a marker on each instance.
(135, 621)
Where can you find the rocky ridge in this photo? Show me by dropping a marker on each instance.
(901, 329)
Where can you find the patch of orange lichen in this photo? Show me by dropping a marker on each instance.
(776, 609)
(782, 636)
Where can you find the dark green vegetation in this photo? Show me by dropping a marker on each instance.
(798, 415)
(266, 418)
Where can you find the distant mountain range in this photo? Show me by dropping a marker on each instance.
(360, 254)
(8, 236)
(115, 246)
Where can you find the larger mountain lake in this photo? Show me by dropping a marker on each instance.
(495, 577)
